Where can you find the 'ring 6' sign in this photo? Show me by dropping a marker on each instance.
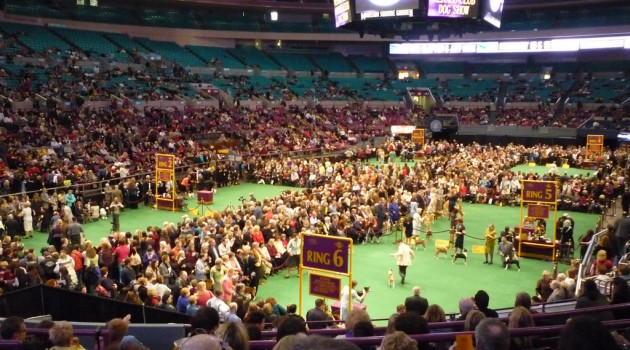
(326, 253)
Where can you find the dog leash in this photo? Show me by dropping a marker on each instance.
(442, 231)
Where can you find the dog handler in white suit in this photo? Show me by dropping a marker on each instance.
(403, 259)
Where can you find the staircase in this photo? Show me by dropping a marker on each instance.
(503, 88)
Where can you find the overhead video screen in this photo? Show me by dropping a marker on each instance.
(453, 8)
(343, 12)
(492, 11)
(367, 9)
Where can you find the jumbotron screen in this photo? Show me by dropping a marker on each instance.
(453, 8)
(492, 11)
(368, 9)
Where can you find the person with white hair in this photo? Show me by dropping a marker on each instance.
(231, 317)
(60, 335)
(201, 342)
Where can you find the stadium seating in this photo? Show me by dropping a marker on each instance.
(36, 9)
(89, 41)
(104, 14)
(254, 57)
(168, 18)
(370, 64)
(125, 42)
(294, 61)
(36, 38)
(210, 54)
(333, 62)
(172, 52)
(442, 67)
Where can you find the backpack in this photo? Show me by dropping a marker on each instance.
(78, 260)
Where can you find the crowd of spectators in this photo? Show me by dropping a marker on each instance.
(224, 257)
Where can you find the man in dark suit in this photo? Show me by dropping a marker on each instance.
(416, 302)
(318, 315)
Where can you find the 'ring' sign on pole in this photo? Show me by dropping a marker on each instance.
(329, 255)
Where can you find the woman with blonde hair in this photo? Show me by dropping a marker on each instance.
(203, 294)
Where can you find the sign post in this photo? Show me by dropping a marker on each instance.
(165, 172)
(594, 146)
(540, 197)
(417, 137)
(326, 257)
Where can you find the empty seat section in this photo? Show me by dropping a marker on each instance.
(294, 61)
(442, 67)
(168, 18)
(126, 42)
(370, 64)
(172, 52)
(36, 9)
(90, 41)
(254, 57)
(332, 62)
(104, 14)
(217, 20)
(35, 37)
(210, 54)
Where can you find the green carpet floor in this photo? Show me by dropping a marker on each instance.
(442, 282)
(541, 170)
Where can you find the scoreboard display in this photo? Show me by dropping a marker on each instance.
(368, 9)
(343, 12)
(361, 15)
(453, 8)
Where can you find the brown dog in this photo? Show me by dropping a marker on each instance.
(429, 235)
(442, 250)
(417, 241)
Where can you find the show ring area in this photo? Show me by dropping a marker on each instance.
(399, 162)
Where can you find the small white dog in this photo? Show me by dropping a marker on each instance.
(103, 213)
(390, 278)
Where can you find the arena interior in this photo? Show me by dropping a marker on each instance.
(163, 162)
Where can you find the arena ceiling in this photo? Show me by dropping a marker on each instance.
(326, 5)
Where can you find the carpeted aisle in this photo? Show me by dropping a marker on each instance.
(442, 282)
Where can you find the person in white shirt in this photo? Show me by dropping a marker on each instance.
(403, 259)
(218, 304)
(293, 248)
(346, 294)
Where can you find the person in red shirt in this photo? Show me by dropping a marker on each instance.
(257, 235)
(122, 252)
